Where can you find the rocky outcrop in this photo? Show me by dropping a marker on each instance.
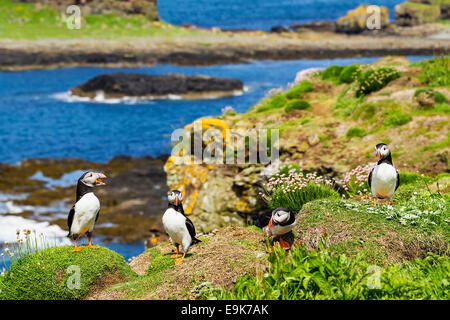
(119, 85)
(119, 7)
(417, 12)
(362, 19)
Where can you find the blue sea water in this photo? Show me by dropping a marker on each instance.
(258, 14)
(38, 120)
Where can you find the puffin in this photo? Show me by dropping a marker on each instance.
(383, 178)
(276, 223)
(84, 213)
(180, 228)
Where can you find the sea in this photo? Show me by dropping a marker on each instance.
(258, 14)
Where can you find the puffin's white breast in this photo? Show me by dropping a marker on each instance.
(384, 180)
(86, 210)
(175, 225)
(278, 230)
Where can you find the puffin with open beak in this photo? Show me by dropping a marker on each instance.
(384, 178)
(85, 212)
(276, 224)
(180, 228)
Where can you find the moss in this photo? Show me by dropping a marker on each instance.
(356, 132)
(348, 74)
(297, 104)
(396, 118)
(375, 79)
(275, 102)
(297, 91)
(44, 275)
(332, 73)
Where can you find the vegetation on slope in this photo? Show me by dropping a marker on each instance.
(36, 21)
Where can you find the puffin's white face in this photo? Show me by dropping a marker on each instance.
(175, 197)
(280, 216)
(382, 152)
(92, 179)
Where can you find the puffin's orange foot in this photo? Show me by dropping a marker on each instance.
(176, 255)
(374, 201)
(76, 249)
(179, 261)
(92, 247)
(285, 245)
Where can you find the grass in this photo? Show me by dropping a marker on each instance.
(396, 118)
(435, 72)
(275, 102)
(29, 21)
(356, 132)
(297, 91)
(375, 79)
(45, 275)
(316, 275)
(297, 104)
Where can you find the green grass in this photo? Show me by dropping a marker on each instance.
(27, 21)
(339, 74)
(297, 91)
(435, 72)
(345, 106)
(275, 102)
(297, 104)
(356, 132)
(396, 118)
(438, 145)
(316, 275)
(372, 80)
(43, 275)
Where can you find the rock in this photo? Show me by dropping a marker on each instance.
(413, 13)
(313, 140)
(279, 29)
(360, 20)
(425, 100)
(318, 26)
(118, 85)
(120, 7)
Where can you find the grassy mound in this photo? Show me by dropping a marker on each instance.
(50, 274)
(218, 261)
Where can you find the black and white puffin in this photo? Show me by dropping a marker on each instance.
(85, 211)
(384, 178)
(180, 228)
(277, 223)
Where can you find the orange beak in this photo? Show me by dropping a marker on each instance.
(176, 201)
(378, 155)
(270, 223)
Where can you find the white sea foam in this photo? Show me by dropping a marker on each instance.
(9, 225)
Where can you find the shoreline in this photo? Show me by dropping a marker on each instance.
(220, 48)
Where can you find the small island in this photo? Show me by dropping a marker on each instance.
(119, 85)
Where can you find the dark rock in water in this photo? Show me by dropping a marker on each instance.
(118, 85)
(279, 29)
(319, 26)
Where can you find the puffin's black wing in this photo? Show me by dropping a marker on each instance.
(191, 229)
(370, 178)
(96, 217)
(398, 181)
(263, 219)
(70, 218)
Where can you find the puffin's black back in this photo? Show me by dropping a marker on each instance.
(263, 219)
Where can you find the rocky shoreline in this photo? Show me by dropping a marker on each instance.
(132, 200)
(223, 47)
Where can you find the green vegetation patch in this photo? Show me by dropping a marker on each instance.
(275, 102)
(297, 104)
(297, 91)
(51, 274)
(372, 80)
(356, 132)
(316, 275)
(435, 72)
(396, 118)
(339, 74)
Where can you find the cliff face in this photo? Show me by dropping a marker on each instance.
(334, 135)
(119, 7)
